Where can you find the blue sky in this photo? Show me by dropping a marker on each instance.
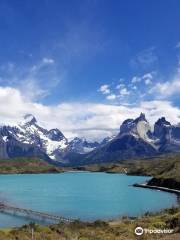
(119, 53)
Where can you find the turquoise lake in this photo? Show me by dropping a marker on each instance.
(81, 195)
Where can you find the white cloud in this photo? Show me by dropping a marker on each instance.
(35, 81)
(111, 97)
(148, 81)
(166, 89)
(136, 79)
(120, 85)
(104, 89)
(156, 109)
(145, 59)
(134, 87)
(32, 90)
(129, 92)
(148, 77)
(48, 60)
(124, 92)
(91, 120)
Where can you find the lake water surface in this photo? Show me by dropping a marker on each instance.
(83, 195)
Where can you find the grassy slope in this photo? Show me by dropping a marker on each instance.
(165, 168)
(26, 165)
(116, 230)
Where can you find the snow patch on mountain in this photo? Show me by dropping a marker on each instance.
(29, 138)
(28, 119)
(143, 128)
(81, 145)
(32, 133)
(5, 138)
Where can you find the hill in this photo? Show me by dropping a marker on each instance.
(164, 169)
(27, 165)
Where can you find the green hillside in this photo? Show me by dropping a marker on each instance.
(162, 166)
(166, 166)
(164, 169)
(26, 165)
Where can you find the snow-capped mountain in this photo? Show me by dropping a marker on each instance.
(107, 139)
(162, 130)
(167, 135)
(135, 139)
(81, 145)
(139, 128)
(12, 146)
(51, 142)
(29, 133)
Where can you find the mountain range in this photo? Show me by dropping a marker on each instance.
(135, 139)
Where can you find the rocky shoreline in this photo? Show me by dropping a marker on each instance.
(165, 183)
(165, 189)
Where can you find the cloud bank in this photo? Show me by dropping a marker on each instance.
(91, 120)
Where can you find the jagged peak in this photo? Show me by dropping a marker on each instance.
(55, 131)
(55, 134)
(131, 126)
(162, 121)
(128, 121)
(141, 117)
(29, 119)
(78, 139)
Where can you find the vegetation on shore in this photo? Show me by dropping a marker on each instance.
(27, 165)
(164, 169)
(122, 229)
(162, 166)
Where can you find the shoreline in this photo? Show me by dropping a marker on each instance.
(112, 221)
(140, 185)
(120, 229)
(145, 185)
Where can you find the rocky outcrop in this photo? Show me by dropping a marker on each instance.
(164, 182)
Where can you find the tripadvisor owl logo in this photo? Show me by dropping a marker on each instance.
(138, 231)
